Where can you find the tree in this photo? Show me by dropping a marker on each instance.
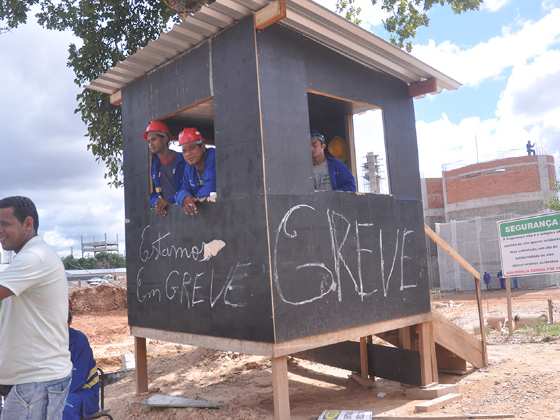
(110, 30)
(101, 260)
(554, 203)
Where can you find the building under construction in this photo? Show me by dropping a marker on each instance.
(464, 205)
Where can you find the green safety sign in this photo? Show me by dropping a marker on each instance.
(538, 224)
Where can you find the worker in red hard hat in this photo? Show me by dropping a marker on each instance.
(167, 167)
(199, 179)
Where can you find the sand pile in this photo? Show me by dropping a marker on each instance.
(101, 298)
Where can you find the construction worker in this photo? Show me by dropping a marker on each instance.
(199, 180)
(329, 174)
(167, 167)
(83, 398)
(530, 148)
(35, 367)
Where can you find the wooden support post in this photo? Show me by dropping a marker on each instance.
(405, 341)
(509, 310)
(550, 311)
(141, 357)
(363, 358)
(481, 320)
(427, 349)
(281, 395)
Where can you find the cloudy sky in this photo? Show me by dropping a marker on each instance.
(507, 56)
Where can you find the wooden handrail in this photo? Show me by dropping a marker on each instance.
(476, 276)
(452, 253)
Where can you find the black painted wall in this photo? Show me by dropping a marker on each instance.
(315, 262)
(339, 259)
(170, 285)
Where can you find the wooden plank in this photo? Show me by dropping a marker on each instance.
(351, 144)
(280, 390)
(436, 403)
(306, 343)
(550, 311)
(457, 341)
(481, 321)
(426, 349)
(423, 87)
(405, 340)
(452, 253)
(116, 98)
(449, 362)
(509, 306)
(363, 358)
(431, 392)
(383, 361)
(450, 417)
(270, 14)
(141, 358)
(209, 342)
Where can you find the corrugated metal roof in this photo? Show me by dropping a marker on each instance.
(303, 16)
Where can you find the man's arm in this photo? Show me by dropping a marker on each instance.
(5, 292)
(208, 177)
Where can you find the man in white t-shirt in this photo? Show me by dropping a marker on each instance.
(35, 364)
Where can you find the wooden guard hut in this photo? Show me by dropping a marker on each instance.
(274, 268)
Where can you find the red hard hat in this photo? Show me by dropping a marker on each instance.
(190, 135)
(156, 125)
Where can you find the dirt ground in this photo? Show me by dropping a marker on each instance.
(523, 377)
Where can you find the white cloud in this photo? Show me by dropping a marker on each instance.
(528, 108)
(550, 4)
(44, 153)
(494, 5)
(490, 59)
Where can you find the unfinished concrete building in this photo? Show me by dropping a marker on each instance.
(464, 205)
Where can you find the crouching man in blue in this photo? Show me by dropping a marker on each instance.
(199, 179)
(83, 398)
(329, 174)
(167, 167)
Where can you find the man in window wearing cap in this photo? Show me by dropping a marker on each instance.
(199, 179)
(329, 174)
(167, 167)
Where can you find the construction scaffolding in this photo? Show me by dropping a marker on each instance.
(95, 247)
(477, 241)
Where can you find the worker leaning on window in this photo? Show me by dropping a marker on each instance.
(167, 167)
(199, 178)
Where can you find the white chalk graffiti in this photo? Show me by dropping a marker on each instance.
(331, 280)
(190, 288)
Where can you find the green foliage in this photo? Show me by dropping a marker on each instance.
(110, 30)
(542, 330)
(554, 203)
(405, 16)
(101, 260)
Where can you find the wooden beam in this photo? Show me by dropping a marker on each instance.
(481, 321)
(458, 341)
(206, 341)
(423, 87)
(427, 349)
(509, 306)
(452, 253)
(280, 390)
(312, 342)
(141, 358)
(269, 15)
(405, 341)
(363, 358)
(116, 98)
